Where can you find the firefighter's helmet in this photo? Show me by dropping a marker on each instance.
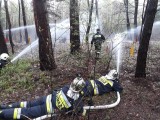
(78, 84)
(4, 56)
(112, 75)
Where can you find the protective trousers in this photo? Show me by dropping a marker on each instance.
(22, 110)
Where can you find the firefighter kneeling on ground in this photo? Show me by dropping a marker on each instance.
(66, 99)
(104, 84)
(3, 60)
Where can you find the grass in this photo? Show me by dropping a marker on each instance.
(16, 76)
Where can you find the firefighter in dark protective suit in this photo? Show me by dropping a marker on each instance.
(64, 100)
(104, 84)
(97, 40)
(3, 60)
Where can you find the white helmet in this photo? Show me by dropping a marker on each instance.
(112, 75)
(4, 56)
(78, 84)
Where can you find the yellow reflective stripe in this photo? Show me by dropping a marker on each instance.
(49, 103)
(82, 92)
(59, 103)
(17, 113)
(105, 81)
(65, 100)
(23, 104)
(62, 101)
(95, 87)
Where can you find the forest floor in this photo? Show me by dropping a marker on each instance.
(139, 98)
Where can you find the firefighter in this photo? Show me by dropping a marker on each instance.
(97, 40)
(66, 99)
(3, 60)
(104, 84)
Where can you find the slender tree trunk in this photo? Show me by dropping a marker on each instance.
(19, 21)
(87, 33)
(9, 24)
(146, 34)
(74, 27)
(135, 19)
(24, 21)
(46, 55)
(97, 14)
(3, 46)
(90, 21)
(88, 3)
(127, 15)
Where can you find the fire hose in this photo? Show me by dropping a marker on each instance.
(87, 108)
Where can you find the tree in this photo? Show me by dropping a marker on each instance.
(90, 20)
(19, 20)
(9, 24)
(24, 21)
(135, 18)
(74, 27)
(46, 55)
(127, 16)
(145, 38)
(3, 46)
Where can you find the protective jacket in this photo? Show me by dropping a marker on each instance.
(2, 63)
(100, 86)
(58, 100)
(97, 40)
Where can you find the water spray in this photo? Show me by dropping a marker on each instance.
(117, 49)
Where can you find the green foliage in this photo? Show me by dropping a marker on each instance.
(16, 76)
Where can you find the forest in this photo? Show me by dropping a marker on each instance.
(80, 59)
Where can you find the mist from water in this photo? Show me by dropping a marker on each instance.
(26, 50)
(31, 47)
(128, 36)
(31, 33)
(118, 40)
(62, 35)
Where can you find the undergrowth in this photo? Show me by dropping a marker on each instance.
(19, 77)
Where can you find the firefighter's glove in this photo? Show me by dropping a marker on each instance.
(117, 87)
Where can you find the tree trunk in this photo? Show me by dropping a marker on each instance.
(3, 46)
(9, 24)
(97, 14)
(24, 21)
(135, 20)
(46, 55)
(127, 15)
(144, 42)
(19, 21)
(74, 27)
(90, 20)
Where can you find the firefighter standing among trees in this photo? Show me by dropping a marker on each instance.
(97, 40)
